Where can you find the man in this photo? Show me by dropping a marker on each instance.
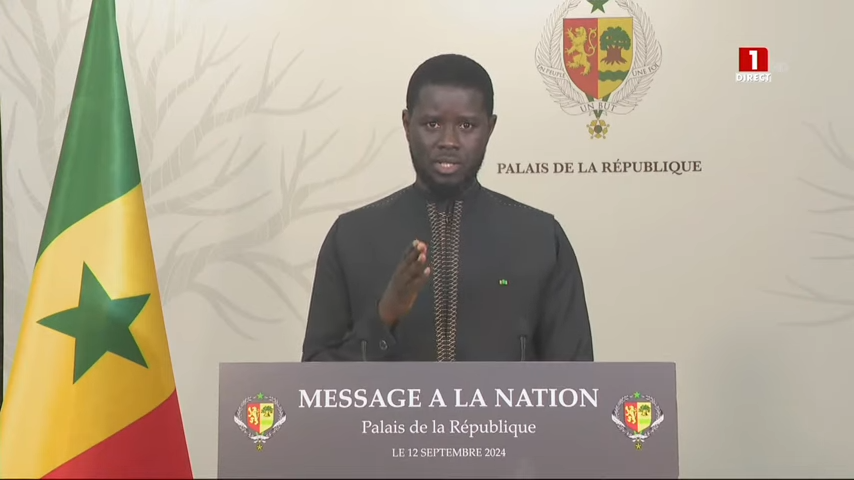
(482, 277)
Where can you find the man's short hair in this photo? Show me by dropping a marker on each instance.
(451, 70)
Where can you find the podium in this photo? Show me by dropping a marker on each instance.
(447, 420)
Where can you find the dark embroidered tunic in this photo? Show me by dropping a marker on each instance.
(503, 274)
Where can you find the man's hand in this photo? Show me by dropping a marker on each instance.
(408, 279)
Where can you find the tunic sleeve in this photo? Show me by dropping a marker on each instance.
(333, 332)
(563, 332)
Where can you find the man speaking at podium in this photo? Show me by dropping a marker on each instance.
(445, 269)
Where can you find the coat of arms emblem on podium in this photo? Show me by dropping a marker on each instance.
(260, 417)
(638, 416)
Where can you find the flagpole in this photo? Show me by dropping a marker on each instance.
(2, 272)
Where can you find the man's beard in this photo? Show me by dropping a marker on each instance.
(445, 191)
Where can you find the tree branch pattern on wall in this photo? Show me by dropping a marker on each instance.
(154, 100)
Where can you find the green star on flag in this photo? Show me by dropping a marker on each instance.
(597, 5)
(637, 395)
(99, 325)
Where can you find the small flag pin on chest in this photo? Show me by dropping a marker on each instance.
(503, 282)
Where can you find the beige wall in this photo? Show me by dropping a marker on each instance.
(678, 268)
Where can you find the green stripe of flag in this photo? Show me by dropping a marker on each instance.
(98, 161)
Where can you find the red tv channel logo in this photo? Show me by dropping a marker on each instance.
(753, 65)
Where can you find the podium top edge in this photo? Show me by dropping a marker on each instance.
(453, 363)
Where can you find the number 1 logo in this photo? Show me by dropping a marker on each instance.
(753, 59)
(753, 65)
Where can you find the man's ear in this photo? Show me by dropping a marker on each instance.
(405, 119)
(492, 120)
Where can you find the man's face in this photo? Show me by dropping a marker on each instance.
(447, 130)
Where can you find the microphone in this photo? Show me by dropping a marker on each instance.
(356, 332)
(523, 340)
(363, 334)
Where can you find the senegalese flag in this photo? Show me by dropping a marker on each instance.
(92, 391)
